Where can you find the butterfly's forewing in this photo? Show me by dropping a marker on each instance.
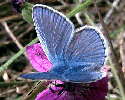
(54, 30)
(89, 47)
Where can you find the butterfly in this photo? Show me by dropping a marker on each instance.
(76, 55)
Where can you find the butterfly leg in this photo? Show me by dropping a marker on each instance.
(52, 90)
(61, 91)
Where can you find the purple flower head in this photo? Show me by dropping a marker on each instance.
(17, 5)
(65, 90)
(76, 91)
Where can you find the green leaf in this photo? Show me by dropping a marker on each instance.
(27, 12)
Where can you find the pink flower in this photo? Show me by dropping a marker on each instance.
(37, 58)
(76, 91)
(65, 90)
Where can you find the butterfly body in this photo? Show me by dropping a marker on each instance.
(76, 55)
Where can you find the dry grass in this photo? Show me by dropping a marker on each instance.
(15, 33)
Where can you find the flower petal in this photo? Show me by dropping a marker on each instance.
(48, 95)
(38, 58)
(83, 91)
(96, 90)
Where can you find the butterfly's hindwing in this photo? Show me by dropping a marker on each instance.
(86, 46)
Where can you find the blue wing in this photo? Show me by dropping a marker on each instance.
(54, 30)
(40, 75)
(84, 73)
(89, 47)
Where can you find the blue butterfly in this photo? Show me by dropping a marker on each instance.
(76, 55)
